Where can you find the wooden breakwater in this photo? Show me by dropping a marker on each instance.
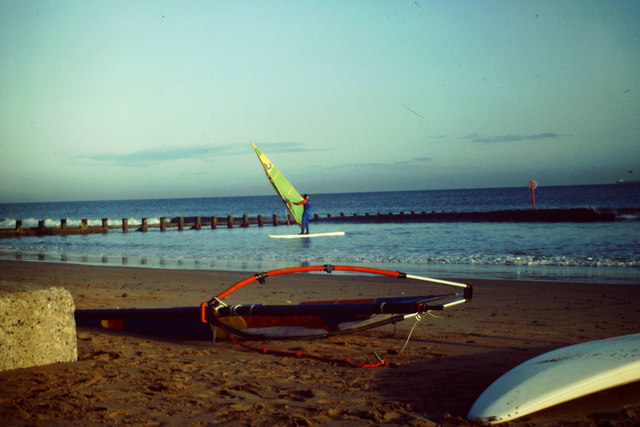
(165, 224)
(231, 221)
(513, 215)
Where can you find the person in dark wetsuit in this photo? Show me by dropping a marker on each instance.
(306, 215)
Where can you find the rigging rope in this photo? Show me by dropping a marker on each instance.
(418, 319)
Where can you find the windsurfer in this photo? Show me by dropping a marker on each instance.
(306, 203)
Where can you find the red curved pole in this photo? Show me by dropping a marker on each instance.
(291, 270)
(370, 270)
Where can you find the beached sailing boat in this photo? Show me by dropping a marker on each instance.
(289, 196)
(241, 322)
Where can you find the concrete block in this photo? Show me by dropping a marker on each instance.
(37, 326)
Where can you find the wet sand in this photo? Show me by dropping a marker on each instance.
(142, 380)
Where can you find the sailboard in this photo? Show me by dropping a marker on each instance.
(288, 194)
(310, 319)
(559, 376)
(304, 236)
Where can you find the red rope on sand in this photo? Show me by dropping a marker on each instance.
(298, 354)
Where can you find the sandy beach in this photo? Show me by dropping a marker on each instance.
(148, 380)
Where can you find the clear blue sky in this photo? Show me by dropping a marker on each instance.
(153, 99)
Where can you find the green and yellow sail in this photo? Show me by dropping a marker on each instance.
(283, 187)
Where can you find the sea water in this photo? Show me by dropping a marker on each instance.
(607, 252)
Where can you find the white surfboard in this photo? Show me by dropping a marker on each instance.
(559, 376)
(298, 236)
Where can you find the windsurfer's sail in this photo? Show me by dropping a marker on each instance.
(283, 187)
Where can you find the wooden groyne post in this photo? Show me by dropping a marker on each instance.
(198, 224)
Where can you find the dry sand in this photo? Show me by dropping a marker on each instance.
(142, 380)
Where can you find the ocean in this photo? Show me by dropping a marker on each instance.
(602, 252)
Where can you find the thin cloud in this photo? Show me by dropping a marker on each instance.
(148, 157)
(475, 137)
(414, 161)
(285, 147)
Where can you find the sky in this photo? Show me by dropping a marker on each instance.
(112, 100)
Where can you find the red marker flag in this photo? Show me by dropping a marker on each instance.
(532, 186)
